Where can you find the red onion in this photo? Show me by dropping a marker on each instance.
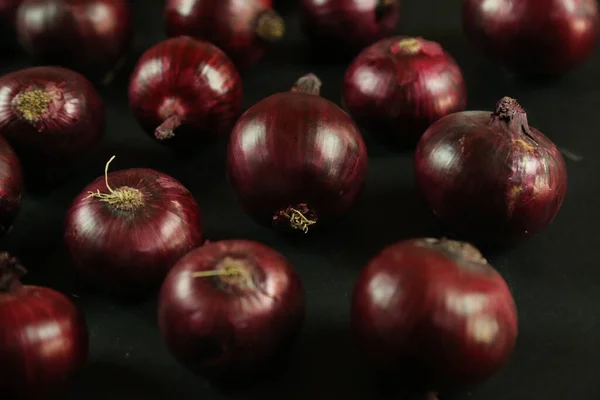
(531, 36)
(242, 29)
(53, 118)
(43, 337)
(490, 177)
(230, 308)
(125, 230)
(295, 158)
(184, 90)
(434, 313)
(348, 24)
(89, 36)
(11, 186)
(399, 86)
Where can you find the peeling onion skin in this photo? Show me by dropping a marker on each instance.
(128, 252)
(242, 29)
(11, 186)
(487, 180)
(534, 37)
(89, 36)
(296, 151)
(434, 312)
(43, 339)
(397, 87)
(184, 91)
(348, 25)
(53, 118)
(224, 329)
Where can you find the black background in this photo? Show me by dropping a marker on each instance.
(554, 275)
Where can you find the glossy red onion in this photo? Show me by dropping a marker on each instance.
(231, 308)
(489, 176)
(11, 186)
(53, 118)
(296, 158)
(397, 87)
(348, 25)
(90, 36)
(43, 337)
(434, 313)
(125, 230)
(242, 29)
(185, 90)
(540, 37)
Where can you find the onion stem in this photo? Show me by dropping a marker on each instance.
(297, 219)
(231, 269)
(124, 198)
(11, 272)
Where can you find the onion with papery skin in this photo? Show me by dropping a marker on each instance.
(296, 158)
(433, 315)
(184, 91)
(53, 118)
(348, 25)
(11, 186)
(89, 36)
(230, 309)
(489, 176)
(540, 37)
(125, 230)
(242, 29)
(397, 87)
(43, 337)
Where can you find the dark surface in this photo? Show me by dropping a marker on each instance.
(554, 275)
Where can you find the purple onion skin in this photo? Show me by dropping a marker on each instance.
(129, 252)
(348, 25)
(11, 186)
(184, 90)
(534, 37)
(91, 36)
(43, 339)
(53, 136)
(295, 149)
(234, 26)
(431, 314)
(225, 329)
(397, 87)
(490, 177)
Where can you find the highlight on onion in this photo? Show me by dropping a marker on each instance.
(242, 29)
(397, 87)
(90, 36)
(490, 176)
(43, 337)
(184, 91)
(231, 309)
(296, 160)
(534, 37)
(348, 25)
(53, 118)
(433, 315)
(125, 230)
(11, 186)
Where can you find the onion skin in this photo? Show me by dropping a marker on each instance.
(53, 118)
(89, 36)
(43, 337)
(490, 177)
(177, 105)
(348, 25)
(534, 37)
(296, 158)
(397, 87)
(11, 186)
(242, 29)
(128, 250)
(228, 327)
(434, 312)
